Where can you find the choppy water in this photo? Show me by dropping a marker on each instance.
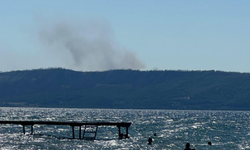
(225, 129)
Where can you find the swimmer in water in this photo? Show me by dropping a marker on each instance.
(188, 147)
(150, 141)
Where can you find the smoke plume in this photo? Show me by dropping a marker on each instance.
(88, 46)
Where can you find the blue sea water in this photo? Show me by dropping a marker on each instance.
(227, 130)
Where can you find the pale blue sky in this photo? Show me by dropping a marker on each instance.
(160, 34)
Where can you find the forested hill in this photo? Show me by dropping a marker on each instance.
(126, 89)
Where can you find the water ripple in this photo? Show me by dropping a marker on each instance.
(173, 128)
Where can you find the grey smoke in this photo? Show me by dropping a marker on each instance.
(89, 46)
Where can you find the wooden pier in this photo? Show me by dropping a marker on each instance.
(75, 124)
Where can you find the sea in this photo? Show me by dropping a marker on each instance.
(226, 130)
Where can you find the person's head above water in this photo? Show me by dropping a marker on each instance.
(149, 141)
(209, 143)
(188, 145)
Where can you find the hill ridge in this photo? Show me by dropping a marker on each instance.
(169, 89)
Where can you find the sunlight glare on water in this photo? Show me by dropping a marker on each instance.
(173, 128)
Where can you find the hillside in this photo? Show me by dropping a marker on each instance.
(126, 89)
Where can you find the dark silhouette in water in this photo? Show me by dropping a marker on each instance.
(121, 136)
(209, 143)
(150, 141)
(126, 136)
(154, 134)
(188, 147)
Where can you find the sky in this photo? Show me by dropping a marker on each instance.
(89, 35)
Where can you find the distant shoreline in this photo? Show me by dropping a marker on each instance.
(126, 89)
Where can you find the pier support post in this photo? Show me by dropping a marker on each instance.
(119, 130)
(95, 131)
(23, 129)
(80, 131)
(73, 132)
(31, 129)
